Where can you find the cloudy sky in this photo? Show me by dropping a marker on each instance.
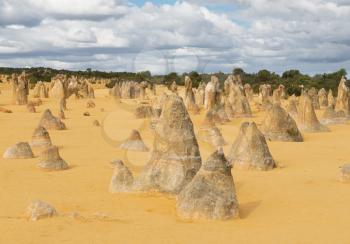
(176, 36)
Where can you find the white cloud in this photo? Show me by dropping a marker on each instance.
(115, 35)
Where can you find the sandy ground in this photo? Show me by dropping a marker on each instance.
(302, 201)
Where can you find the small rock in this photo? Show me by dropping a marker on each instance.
(19, 150)
(345, 173)
(40, 210)
(96, 123)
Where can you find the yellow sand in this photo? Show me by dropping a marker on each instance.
(302, 201)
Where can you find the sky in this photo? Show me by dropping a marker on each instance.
(176, 36)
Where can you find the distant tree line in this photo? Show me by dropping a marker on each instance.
(291, 79)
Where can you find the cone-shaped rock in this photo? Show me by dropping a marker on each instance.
(40, 138)
(330, 97)
(343, 96)
(250, 150)
(280, 126)
(134, 143)
(307, 119)
(19, 150)
(211, 194)
(51, 159)
(330, 116)
(51, 122)
(122, 179)
(175, 158)
(322, 97)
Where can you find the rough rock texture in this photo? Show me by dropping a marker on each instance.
(314, 98)
(40, 90)
(51, 160)
(236, 103)
(41, 138)
(211, 97)
(211, 135)
(200, 95)
(280, 126)
(307, 119)
(143, 111)
(343, 96)
(278, 94)
(175, 158)
(322, 97)
(330, 116)
(19, 150)
(211, 194)
(248, 91)
(122, 179)
(189, 99)
(50, 122)
(250, 150)
(40, 210)
(264, 96)
(20, 87)
(345, 173)
(330, 97)
(134, 143)
(292, 108)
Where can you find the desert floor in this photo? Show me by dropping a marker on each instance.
(301, 201)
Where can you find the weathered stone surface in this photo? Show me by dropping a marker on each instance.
(248, 91)
(307, 119)
(19, 150)
(211, 194)
(211, 135)
(20, 88)
(175, 157)
(40, 90)
(322, 97)
(236, 103)
(189, 99)
(314, 98)
(212, 93)
(40, 138)
(250, 150)
(143, 111)
(330, 116)
(280, 126)
(343, 96)
(50, 159)
(40, 210)
(330, 97)
(50, 122)
(122, 179)
(134, 143)
(292, 108)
